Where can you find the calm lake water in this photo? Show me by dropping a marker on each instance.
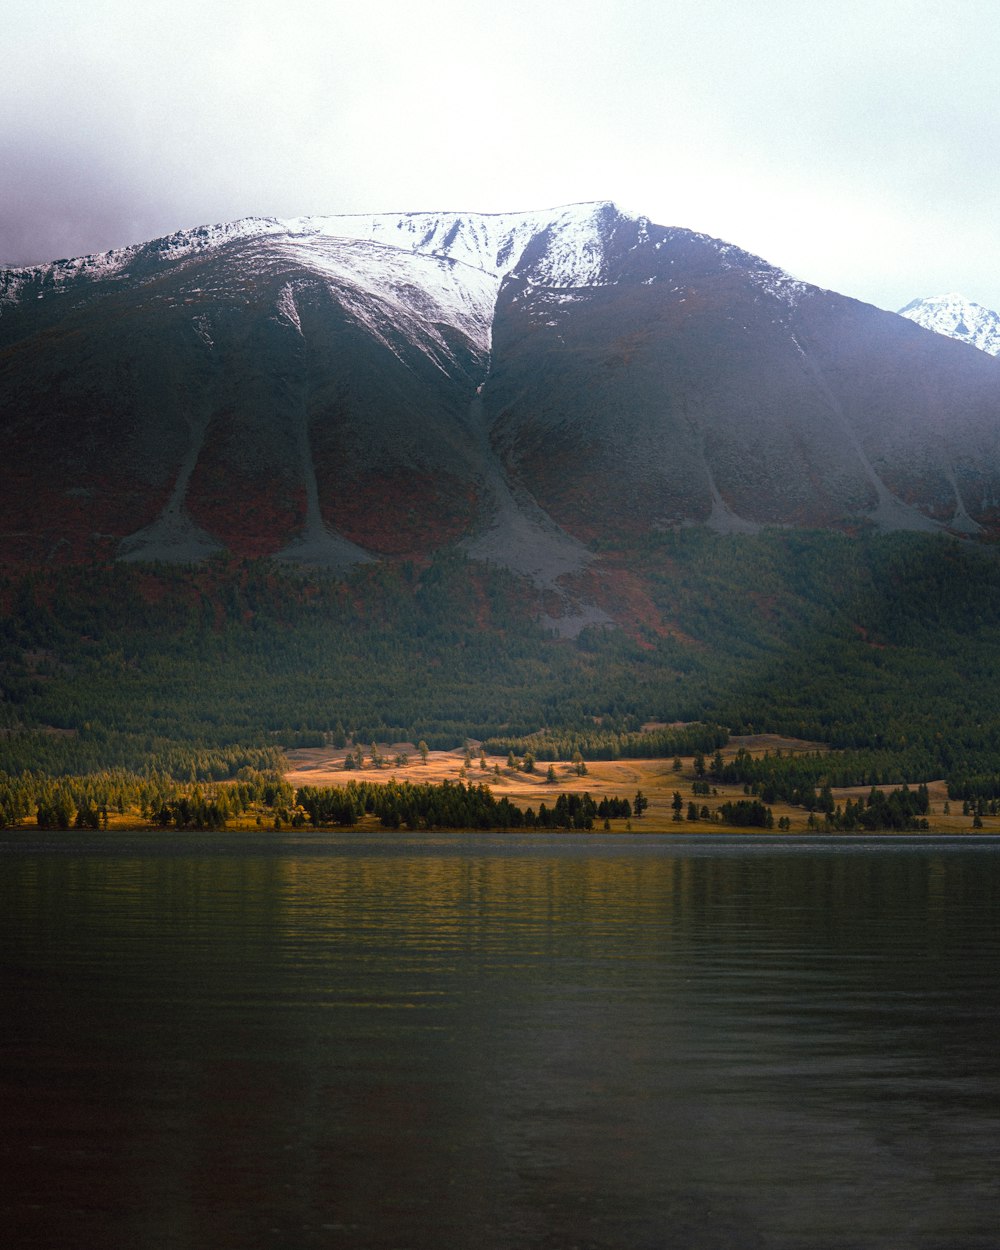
(495, 1041)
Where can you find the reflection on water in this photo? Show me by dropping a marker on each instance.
(499, 1042)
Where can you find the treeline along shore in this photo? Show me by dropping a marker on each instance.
(787, 789)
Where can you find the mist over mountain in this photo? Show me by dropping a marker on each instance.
(337, 390)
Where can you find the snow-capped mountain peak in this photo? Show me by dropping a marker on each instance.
(493, 242)
(958, 318)
(513, 384)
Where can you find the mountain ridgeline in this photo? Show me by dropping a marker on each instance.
(336, 390)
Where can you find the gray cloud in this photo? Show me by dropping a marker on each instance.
(853, 144)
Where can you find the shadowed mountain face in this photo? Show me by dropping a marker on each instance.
(699, 385)
(242, 400)
(336, 390)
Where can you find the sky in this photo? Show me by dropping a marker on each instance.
(854, 144)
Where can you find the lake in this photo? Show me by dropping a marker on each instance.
(486, 1041)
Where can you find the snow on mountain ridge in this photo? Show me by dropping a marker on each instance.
(60, 275)
(375, 284)
(959, 318)
(461, 260)
(410, 276)
(490, 241)
(404, 274)
(494, 242)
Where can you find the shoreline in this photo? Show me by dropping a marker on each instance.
(372, 831)
(667, 786)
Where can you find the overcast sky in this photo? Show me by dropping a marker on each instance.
(854, 143)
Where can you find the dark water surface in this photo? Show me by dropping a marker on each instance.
(496, 1041)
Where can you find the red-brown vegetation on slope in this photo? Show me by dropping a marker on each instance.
(254, 508)
(402, 513)
(45, 520)
(624, 596)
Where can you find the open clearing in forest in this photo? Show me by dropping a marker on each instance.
(657, 779)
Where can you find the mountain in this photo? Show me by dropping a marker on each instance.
(619, 422)
(336, 390)
(958, 318)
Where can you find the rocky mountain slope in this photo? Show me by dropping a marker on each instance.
(337, 390)
(958, 318)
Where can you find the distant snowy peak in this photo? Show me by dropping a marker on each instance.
(958, 318)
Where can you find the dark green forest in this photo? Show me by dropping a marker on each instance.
(883, 647)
